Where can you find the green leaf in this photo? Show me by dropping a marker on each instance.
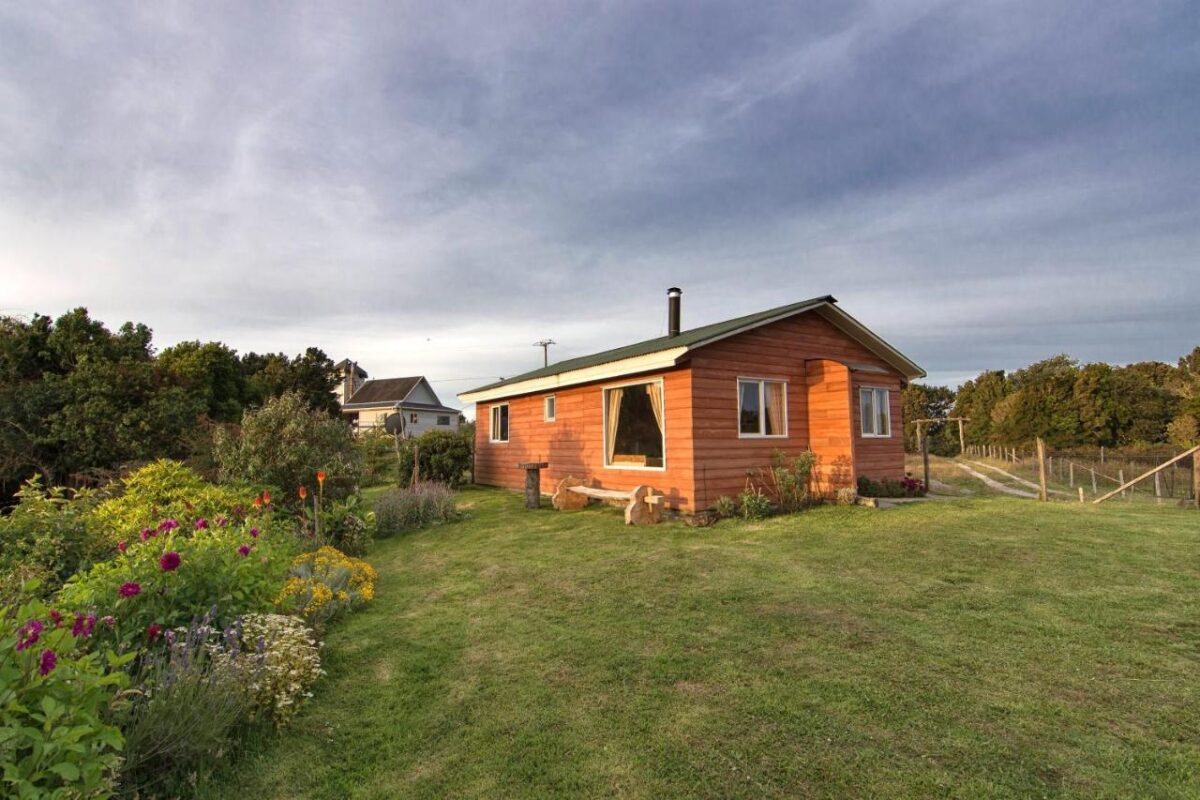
(68, 772)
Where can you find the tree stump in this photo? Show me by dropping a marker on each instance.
(533, 483)
(645, 507)
(565, 499)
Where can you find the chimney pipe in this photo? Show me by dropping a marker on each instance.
(673, 299)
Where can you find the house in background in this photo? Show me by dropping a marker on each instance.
(367, 403)
(695, 413)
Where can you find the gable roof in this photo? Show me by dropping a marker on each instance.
(384, 390)
(665, 351)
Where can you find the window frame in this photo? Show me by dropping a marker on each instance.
(762, 405)
(862, 422)
(445, 424)
(604, 424)
(493, 413)
(548, 401)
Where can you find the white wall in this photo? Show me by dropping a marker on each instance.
(426, 420)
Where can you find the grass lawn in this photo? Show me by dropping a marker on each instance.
(988, 647)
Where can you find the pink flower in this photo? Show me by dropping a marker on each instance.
(48, 663)
(201, 524)
(152, 631)
(110, 620)
(254, 532)
(244, 550)
(121, 546)
(28, 635)
(168, 524)
(130, 589)
(147, 533)
(222, 522)
(169, 561)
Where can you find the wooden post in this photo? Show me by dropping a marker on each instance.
(1101, 454)
(1155, 471)
(1081, 494)
(1196, 481)
(919, 435)
(1158, 487)
(416, 476)
(1071, 479)
(1094, 489)
(1043, 495)
(1121, 479)
(533, 483)
(925, 459)
(962, 442)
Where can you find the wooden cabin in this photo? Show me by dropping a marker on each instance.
(696, 413)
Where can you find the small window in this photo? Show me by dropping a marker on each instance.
(550, 408)
(414, 418)
(876, 413)
(443, 421)
(762, 408)
(499, 427)
(634, 427)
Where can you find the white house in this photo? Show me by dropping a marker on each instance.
(371, 401)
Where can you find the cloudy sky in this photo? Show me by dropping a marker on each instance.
(431, 187)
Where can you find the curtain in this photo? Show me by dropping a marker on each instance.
(614, 416)
(775, 400)
(656, 402)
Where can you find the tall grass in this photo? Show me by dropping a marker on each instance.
(415, 507)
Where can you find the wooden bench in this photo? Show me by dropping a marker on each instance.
(643, 505)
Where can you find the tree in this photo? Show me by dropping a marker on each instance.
(928, 402)
(211, 371)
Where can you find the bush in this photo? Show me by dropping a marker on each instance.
(287, 663)
(444, 457)
(325, 583)
(191, 697)
(377, 454)
(725, 507)
(403, 509)
(347, 527)
(891, 487)
(47, 538)
(790, 479)
(55, 742)
(175, 575)
(754, 504)
(284, 444)
(168, 490)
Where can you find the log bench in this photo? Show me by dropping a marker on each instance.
(643, 505)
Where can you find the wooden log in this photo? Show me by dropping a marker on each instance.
(533, 482)
(641, 509)
(566, 500)
(1043, 495)
(1147, 474)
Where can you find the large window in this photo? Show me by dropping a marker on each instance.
(499, 426)
(633, 426)
(875, 411)
(443, 421)
(762, 408)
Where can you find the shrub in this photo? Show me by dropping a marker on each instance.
(790, 479)
(325, 583)
(190, 698)
(377, 454)
(175, 575)
(891, 487)
(287, 664)
(53, 698)
(402, 509)
(47, 538)
(284, 443)
(725, 507)
(444, 457)
(168, 490)
(347, 527)
(754, 504)
(846, 496)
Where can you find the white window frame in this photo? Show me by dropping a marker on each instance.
(604, 426)
(762, 409)
(493, 418)
(887, 405)
(548, 401)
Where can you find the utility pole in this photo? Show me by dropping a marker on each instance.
(545, 345)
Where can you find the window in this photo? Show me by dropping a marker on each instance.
(549, 408)
(875, 411)
(414, 418)
(634, 435)
(443, 420)
(499, 427)
(762, 408)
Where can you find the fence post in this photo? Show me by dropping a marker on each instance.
(1158, 488)
(1043, 495)
(1101, 454)
(1071, 480)
(1081, 494)
(1196, 481)
(1121, 478)
(962, 442)
(1094, 490)
(925, 460)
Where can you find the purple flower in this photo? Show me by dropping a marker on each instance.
(201, 524)
(49, 662)
(169, 561)
(147, 533)
(121, 546)
(254, 532)
(169, 636)
(168, 524)
(244, 550)
(129, 589)
(28, 635)
(110, 620)
(222, 522)
(83, 625)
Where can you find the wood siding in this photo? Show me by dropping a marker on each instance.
(879, 457)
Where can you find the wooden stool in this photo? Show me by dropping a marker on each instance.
(533, 482)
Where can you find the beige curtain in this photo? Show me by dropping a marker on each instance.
(656, 402)
(614, 416)
(774, 401)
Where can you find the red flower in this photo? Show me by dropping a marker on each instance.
(257, 502)
(129, 589)
(56, 617)
(48, 663)
(321, 477)
(169, 561)
(303, 492)
(152, 631)
(266, 498)
(121, 547)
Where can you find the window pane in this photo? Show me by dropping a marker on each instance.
(749, 414)
(882, 426)
(776, 401)
(549, 408)
(504, 423)
(634, 425)
(866, 411)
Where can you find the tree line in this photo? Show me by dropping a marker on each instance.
(77, 399)
(1067, 404)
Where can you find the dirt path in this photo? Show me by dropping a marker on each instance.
(991, 483)
(1018, 479)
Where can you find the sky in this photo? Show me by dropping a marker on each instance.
(429, 188)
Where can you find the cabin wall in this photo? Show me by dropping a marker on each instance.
(573, 444)
(879, 457)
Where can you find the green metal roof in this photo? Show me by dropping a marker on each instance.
(690, 338)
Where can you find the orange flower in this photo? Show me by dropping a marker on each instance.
(303, 492)
(266, 498)
(257, 502)
(321, 477)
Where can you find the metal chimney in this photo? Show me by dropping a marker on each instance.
(673, 300)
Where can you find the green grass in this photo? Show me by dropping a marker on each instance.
(982, 648)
